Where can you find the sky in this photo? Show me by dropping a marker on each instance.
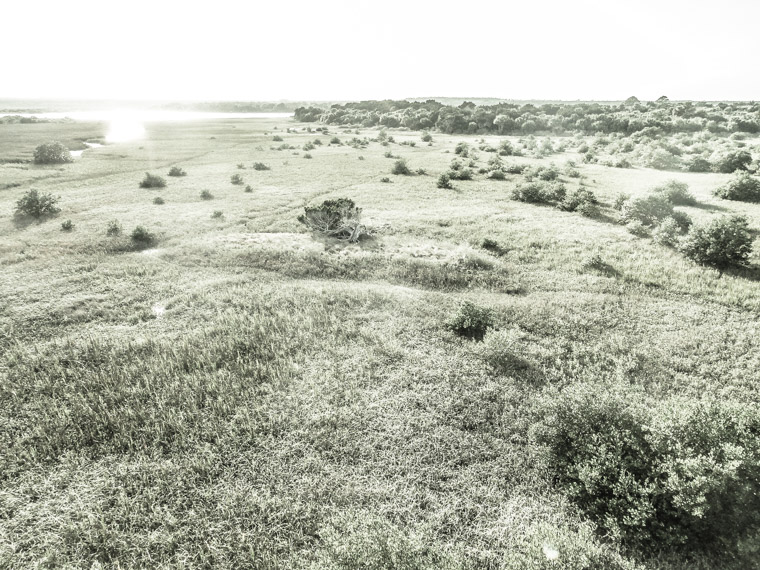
(326, 50)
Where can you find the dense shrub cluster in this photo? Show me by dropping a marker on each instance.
(400, 167)
(338, 218)
(681, 474)
(152, 181)
(52, 152)
(539, 192)
(722, 243)
(743, 187)
(37, 205)
(677, 193)
(471, 321)
(177, 171)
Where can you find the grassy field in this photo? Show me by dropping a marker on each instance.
(243, 394)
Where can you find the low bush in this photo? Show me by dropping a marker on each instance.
(698, 164)
(675, 474)
(733, 161)
(217, 214)
(67, 226)
(248, 188)
(142, 237)
(177, 171)
(677, 193)
(578, 199)
(722, 243)
(113, 228)
(335, 140)
(277, 138)
(206, 195)
(427, 137)
(260, 166)
(152, 181)
(539, 192)
(307, 155)
(34, 204)
(52, 152)
(444, 181)
(471, 321)
(667, 233)
(744, 187)
(648, 210)
(620, 199)
(158, 201)
(338, 218)
(385, 180)
(462, 149)
(236, 179)
(400, 167)
(635, 227)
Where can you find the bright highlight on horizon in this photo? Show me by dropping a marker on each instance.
(341, 50)
(124, 127)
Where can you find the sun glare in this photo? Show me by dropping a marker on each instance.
(124, 128)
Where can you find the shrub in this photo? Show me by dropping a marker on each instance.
(218, 214)
(158, 200)
(636, 228)
(649, 210)
(34, 204)
(743, 187)
(698, 164)
(682, 219)
(152, 181)
(420, 172)
(236, 179)
(462, 149)
(515, 168)
(260, 166)
(307, 155)
(113, 228)
(177, 171)
(738, 160)
(722, 243)
(460, 174)
(674, 474)
(444, 181)
(677, 193)
(502, 352)
(578, 198)
(338, 218)
(539, 192)
(206, 195)
(241, 166)
(52, 152)
(335, 140)
(142, 236)
(427, 137)
(497, 175)
(400, 167)
(248, 188)
(277, 138)
(385, 180)
(619, 200)
(308, 146)
(471, 321)
(67, 226)
(667, 233)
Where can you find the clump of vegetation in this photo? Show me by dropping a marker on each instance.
(743, 187)
(142, 237)
(385, 180)
(462, 149)
(37, 205)
(217, 215)
(635, 227)
(335, 140)
(277, 138)
(113, 228)
(400, 167)
(698, 164)
(206, 195)
(723, 243)
(177, 171)
(260, 166)
(236, 179)
(67, 226)
(733, 161)
(248, 188)
(582, 200)
(152, 181)
(677, 474)
(52, 152)
(539, 192)
(649, 210)
(677, 193)
(241, 166)
(471, 321)
(338, 218)
(158, 201)
(444, 181)
(307, 155)
(427, 137)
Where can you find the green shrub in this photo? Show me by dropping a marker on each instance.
(635, 227)
(421, 172)
(698, 164)
(619, 200)
(578, 198)
(206, 195)
(721, 243)
(677, 193)
(675, 474)
(515, 168)
(177, 171)
(236, 179)
(67, 226)
(427, 137)
(217, 215)
(52, 152)
(733, 161)
(338, 218)
(385, 180)
(335, 140)
(142, 237)
(152, 181)
(158, 201)
(471, 321)
(649, 210)
(400, 167)
(682, 219)
(502, 351)
(277, 138)
(308, 146)
(260, 166)
(444, 181)
(113, 228)
(743, 187)
(34, 204)
(460, 174)
(307, 155)
(539, 192)
(462, 149)
(667, 233)
(248, 188)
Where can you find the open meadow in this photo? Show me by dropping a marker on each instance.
(228, 389)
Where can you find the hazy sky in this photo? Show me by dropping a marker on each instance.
(335, 49)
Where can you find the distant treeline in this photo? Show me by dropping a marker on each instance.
(632, 116)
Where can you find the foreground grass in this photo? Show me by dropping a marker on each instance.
(242, 394)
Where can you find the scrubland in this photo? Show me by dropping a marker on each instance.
(239, 392)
